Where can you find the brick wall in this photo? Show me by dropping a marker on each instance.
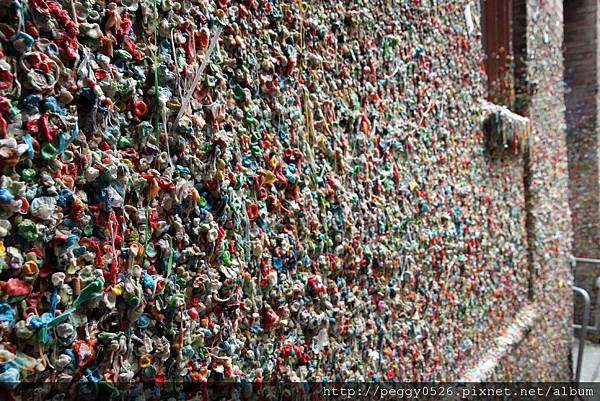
(544, 351)
(581, 98)
(581, 59)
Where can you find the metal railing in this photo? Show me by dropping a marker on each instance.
(596, 327)
(582, 329)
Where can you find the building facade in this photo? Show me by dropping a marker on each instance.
(581, 78)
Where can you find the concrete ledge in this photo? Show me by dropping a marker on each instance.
(522, 324)
(505, 131)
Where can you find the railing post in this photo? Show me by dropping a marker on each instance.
(583, 332)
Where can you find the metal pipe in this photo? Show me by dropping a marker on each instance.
(587, 260)
(597, 307)
(596, 327)
(583, 331)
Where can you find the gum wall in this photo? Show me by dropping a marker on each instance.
(267, 190)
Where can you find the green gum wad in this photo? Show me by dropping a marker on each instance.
(124, 142)
(28, 174)
(28, 230)
(48, 151)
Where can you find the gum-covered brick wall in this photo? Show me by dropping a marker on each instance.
(544, 353)
(264, 190)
